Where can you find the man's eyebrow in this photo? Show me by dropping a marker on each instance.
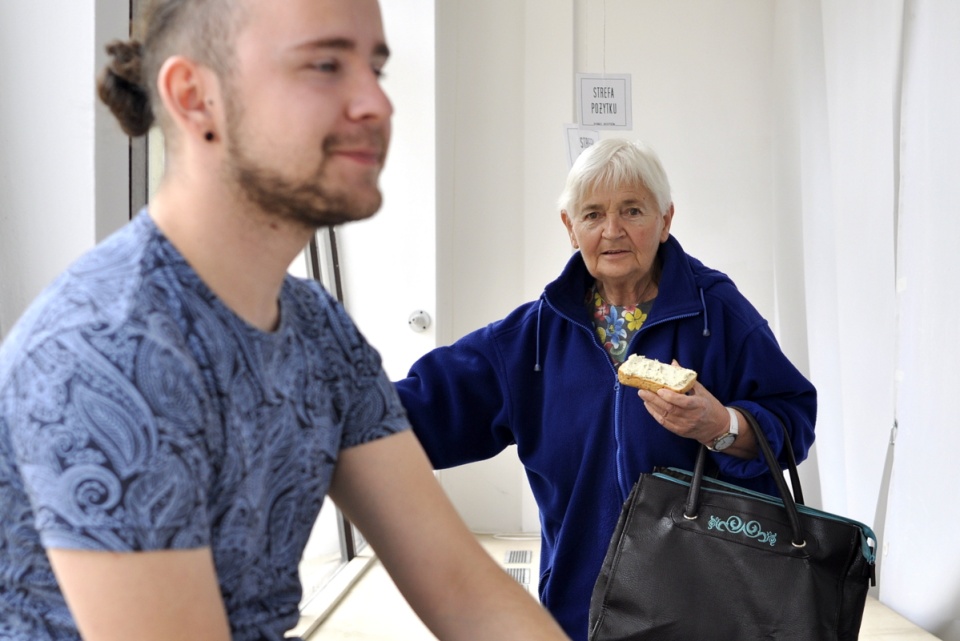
(345, 44)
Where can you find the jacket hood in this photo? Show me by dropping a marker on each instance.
(685, 277)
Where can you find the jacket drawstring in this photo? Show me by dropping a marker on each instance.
(536, 366)
(706, 321)
(706, 325)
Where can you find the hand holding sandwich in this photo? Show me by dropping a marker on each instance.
(681, 404)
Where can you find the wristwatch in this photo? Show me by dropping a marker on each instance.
(726, 440)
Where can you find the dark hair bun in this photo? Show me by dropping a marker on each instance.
(121, 88)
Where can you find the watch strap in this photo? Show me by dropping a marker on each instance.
(724, 441)
(734, 422)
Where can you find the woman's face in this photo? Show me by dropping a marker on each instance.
(618, 232)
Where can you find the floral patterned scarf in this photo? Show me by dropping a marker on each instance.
(615, 324)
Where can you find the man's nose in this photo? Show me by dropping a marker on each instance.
(369, 100)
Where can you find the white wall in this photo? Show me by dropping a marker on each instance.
(922, 520)
(702, 86)
(62, 178)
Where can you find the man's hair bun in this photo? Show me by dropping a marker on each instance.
(122, 89)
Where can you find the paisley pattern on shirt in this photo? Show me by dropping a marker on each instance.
(138, 413)
(616, 325)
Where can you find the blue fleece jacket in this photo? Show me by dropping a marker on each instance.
(540, 379)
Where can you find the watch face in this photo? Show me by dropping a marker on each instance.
(723, 442)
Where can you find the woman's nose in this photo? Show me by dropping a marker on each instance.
(612, 225)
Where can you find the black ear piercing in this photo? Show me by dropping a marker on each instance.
(208, 136)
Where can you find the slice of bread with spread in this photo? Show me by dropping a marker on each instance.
(649, 374)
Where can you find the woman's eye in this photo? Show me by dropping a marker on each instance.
(634, 212)
(327, 66)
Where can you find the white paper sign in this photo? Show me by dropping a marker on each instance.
(577, 140)
(605, 101)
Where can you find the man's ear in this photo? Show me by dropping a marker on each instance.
(190, 94)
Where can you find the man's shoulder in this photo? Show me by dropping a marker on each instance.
(100, 282)
(100, 301)
(315, 313)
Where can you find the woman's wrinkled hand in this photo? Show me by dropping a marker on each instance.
(697, 414)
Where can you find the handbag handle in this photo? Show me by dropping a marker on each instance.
(790, 500)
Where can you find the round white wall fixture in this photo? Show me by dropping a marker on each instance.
(419, 321)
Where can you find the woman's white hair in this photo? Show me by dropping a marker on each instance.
(614, 164)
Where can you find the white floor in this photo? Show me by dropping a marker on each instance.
(374, 609)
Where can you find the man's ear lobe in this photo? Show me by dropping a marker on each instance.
(186, 89)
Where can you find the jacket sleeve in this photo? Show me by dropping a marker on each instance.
(456, 402)
(765, 383)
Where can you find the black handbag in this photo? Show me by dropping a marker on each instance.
(697, 559)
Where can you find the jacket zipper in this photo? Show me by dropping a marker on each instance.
(617, 388)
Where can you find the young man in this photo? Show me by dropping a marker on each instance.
(174, 408)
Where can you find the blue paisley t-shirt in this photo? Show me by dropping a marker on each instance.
(137, 412)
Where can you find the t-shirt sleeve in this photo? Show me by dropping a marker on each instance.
(100, 426)
(373, 409)
(376, 413)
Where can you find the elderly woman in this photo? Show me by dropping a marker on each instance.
(544, 378)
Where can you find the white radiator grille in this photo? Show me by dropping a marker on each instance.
(519, 557)
(522, 575)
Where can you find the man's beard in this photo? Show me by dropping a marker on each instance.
(312, 202)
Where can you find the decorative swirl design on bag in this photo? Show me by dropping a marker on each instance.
(736, 525)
